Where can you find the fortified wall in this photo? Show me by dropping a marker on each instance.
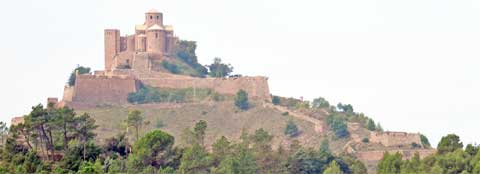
(256, 87)
(391, 139)
(102, 89)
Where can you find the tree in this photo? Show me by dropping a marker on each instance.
(3, 131)
(152, 149)
(219, 69)
(338, 125)
(276, 100)
(241, 100)
(320, 102)
(221, 149)
(371, 125)
(85, 126)
(390, 163)
(195, 160)
(291, 129)
(199, 130)
(185, 51)
(347, 108)
(449, 143)
(424, 141)
(135, 120)
(333, 168)
(73, 75)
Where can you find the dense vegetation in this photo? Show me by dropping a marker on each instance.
(219, 69)
(147, 94)
(185, 51)
(450, 158)
(73, 77)
(60, 141)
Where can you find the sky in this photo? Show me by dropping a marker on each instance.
(412, 65)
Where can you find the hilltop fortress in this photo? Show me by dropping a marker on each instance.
(135, 60)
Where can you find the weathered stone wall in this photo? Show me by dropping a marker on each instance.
(256, 87)
(17, 120)
(68, 93)
(390, 139)
(103, 89)
(406, 154)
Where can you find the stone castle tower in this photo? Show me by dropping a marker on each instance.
(151, 37)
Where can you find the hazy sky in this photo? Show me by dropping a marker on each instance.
(412, 65)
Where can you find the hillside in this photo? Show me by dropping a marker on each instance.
(222, 117)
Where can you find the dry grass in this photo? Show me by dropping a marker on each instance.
(222, 117)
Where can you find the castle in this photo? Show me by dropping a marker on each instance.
(135, 60)
(151, 37)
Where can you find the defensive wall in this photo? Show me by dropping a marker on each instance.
(406, 154)
(114, 87)
(103, 89)
(391, 139)
(256, 87)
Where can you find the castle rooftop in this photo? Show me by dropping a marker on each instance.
(155, 27)
(153, 11)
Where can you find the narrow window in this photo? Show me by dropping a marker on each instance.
(156, 35)
(151, 17)
(158, 17)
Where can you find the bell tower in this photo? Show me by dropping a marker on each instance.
(153, 17)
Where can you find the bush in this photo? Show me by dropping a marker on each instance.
(276, 100)
(185, 51)
(365, 140)
(320, 102)
(285, 113)
(241, 100)
(338, 126)
(73, 77)
(219, 69)
(155, 95)
(172, 68)
(291, 129)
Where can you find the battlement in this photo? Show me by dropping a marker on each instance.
(390, 139)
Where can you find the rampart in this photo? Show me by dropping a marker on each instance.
(103, 89)
(391, 139)
(256, 87)
(406, 154)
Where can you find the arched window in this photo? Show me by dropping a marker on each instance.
(151, 17)
(156, 35)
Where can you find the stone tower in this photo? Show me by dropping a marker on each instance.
(112, 46)
(153, 17)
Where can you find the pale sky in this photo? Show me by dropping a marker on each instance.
(412, 65)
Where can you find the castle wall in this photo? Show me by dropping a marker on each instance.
(103, 89)
(68, 93)
(256, 87)
(406, 154)
(394, 138)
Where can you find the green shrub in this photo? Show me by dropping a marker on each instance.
(365, 140)
(172, 68)
(338, 125)
(73, 77)
(159, 95)
(291, 129)
(241, 100)
(285, 113)
(276, 100)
